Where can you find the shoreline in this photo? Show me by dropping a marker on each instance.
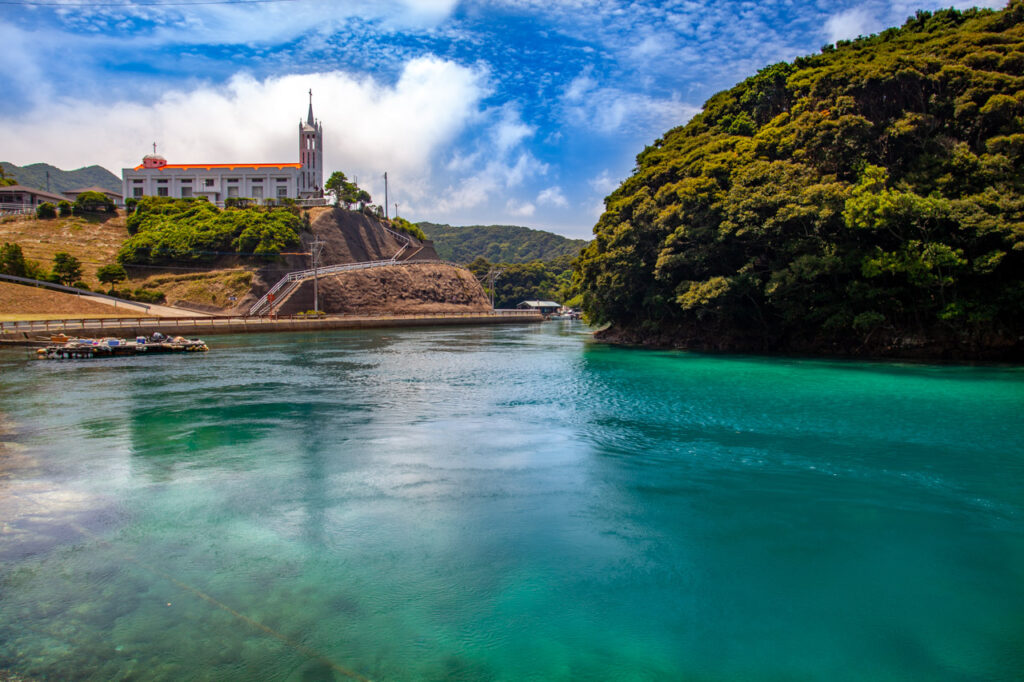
(34, 333)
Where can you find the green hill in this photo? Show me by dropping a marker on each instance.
(865, 200)
(499, 243)
(34, 175)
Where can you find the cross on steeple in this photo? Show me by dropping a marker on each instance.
(154, 149)
(309, 118)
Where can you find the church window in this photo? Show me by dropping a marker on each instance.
(257, 192)
(186, 192)
(282, 192)
(162, 192)
(208, 182)
(233, 191)
(136, 192)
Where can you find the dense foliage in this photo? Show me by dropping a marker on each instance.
(518, 282)
(869, 198)
(499, 243)
(194, 230)
(91, 202)
(403, 225)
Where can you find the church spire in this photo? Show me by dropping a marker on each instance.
(309, 119)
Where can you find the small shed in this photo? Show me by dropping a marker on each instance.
(543, 307)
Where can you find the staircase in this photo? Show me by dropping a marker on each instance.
(280, 291)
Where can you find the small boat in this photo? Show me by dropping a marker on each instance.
(62, 348)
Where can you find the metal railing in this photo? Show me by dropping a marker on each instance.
(72, 290)
(185, 324)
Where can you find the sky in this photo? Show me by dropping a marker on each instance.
(522, 112)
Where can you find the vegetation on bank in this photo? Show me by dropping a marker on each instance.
(518, 282)
(869, 198)
(499, 243)
(165, 230)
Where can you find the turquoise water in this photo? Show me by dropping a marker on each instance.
(508, 504)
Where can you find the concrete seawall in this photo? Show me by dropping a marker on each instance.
(21, 333)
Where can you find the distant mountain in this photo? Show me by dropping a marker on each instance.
(499, 243)
(34, 175)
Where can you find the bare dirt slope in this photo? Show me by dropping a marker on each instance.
(30, 303)
(411, 288)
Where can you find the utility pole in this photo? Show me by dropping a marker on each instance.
(396, 209)
(47, 181)
(315, 249)
(385, 195)
(492, 275)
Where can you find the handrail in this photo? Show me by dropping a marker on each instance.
(227, 320)
(73, 290)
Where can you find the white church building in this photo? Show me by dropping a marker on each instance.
(220, 181)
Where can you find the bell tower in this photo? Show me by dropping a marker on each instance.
(311, 156)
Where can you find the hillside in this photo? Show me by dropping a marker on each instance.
(34, 175)
(499, 243)
(866, 200)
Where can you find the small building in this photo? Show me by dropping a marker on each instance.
(21, 198)
(543, 307)
(116, 197)
(220, 181)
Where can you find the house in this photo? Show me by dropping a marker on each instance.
(117, 198)
(543, 307)
(21, 198)
(220, 181)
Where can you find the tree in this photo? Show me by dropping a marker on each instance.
(345, 192)
(335, 185)
(12, 261)
(46, 210)
(6, 181)
(66, 267)
(94, 202)
(112, 274)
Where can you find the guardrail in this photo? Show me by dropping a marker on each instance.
(184, 324)
(73, 290)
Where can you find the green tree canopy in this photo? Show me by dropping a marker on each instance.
(112, 274)
(344, 191)
(194, 230)
(867, 199)
(66, 268)
(94, 202)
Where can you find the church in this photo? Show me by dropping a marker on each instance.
(219, 181)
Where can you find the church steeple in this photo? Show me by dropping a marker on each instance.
(311, 155)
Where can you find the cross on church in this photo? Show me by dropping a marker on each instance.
(154, 149)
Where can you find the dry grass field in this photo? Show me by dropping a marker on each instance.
(94, 241)
(18, 302)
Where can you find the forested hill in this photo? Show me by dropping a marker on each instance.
(34, 175)
(499, 243)
(867, 200)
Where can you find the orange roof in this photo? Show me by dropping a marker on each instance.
(211, 166)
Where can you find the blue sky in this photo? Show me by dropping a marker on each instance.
(520, 112)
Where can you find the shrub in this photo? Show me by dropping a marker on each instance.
(81, 285)
(94, 202)
(64, 208)
(148, 296)
(46, 210)
(112, 274)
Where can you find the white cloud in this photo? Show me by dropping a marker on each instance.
(520, 209)
(369, 127)
(603, 183)
(850, 24)
(552, 196)
(611, 110)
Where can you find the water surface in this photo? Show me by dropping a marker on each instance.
(508, 504)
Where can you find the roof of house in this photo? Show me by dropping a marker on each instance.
(101, 190)
(541, 304)
(33, 190)
(211, 166)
